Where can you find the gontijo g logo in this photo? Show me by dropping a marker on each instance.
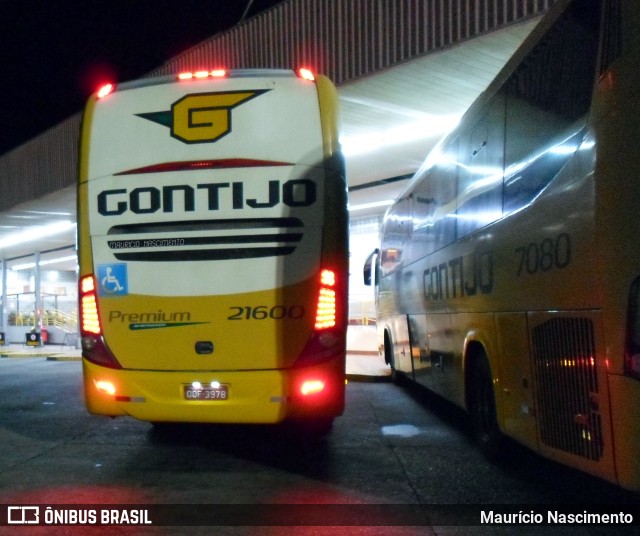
(202, 117)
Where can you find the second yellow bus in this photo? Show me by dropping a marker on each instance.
(508, 272)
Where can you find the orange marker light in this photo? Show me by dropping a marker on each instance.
(105, 387)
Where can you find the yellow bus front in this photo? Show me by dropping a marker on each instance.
(212, 241)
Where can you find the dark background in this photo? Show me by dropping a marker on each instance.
(55, 53)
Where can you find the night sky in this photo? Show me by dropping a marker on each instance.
(55, 53)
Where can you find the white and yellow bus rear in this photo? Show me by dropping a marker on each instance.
(213, 249)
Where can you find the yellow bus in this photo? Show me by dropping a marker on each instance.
(508, 275)
(213, 248)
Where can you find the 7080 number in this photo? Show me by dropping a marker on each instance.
(263, 312)
(550, 253)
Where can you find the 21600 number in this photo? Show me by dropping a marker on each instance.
(264, 312)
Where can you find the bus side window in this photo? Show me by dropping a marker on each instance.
(434, 226)
(397, 236)
(548, 98)
(481, 171)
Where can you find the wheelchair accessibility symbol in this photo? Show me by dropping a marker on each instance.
(112, 280)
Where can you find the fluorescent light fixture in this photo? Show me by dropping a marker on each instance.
(36, 233)
(375, 204)
(28, 265)
(427, 127)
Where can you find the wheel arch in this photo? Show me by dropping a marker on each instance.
(481, 399)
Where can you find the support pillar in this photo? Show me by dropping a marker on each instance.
(38, 296)
(3, 309)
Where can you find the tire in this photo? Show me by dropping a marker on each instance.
(396, 377)
(482, 408)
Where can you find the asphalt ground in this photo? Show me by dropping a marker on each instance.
(394, 448)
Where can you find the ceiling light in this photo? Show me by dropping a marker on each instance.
(29, 265)
(36, 233)
(375, 204)
(427, 127)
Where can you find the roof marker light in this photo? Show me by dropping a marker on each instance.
(201, 75)
(105, 90)
(306, 74)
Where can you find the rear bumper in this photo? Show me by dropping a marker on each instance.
(255, 396)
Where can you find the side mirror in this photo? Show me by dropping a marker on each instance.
(367, 272)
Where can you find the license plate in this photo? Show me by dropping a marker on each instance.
(206, 393)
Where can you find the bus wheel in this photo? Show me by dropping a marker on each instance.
(482, 407)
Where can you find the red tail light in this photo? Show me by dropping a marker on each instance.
(326, 310)
(328, 338)
(89, 319)
(311, 387)
(94, 348)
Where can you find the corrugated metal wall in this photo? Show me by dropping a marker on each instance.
(44, 165)
(350, 39)
(345, 39)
